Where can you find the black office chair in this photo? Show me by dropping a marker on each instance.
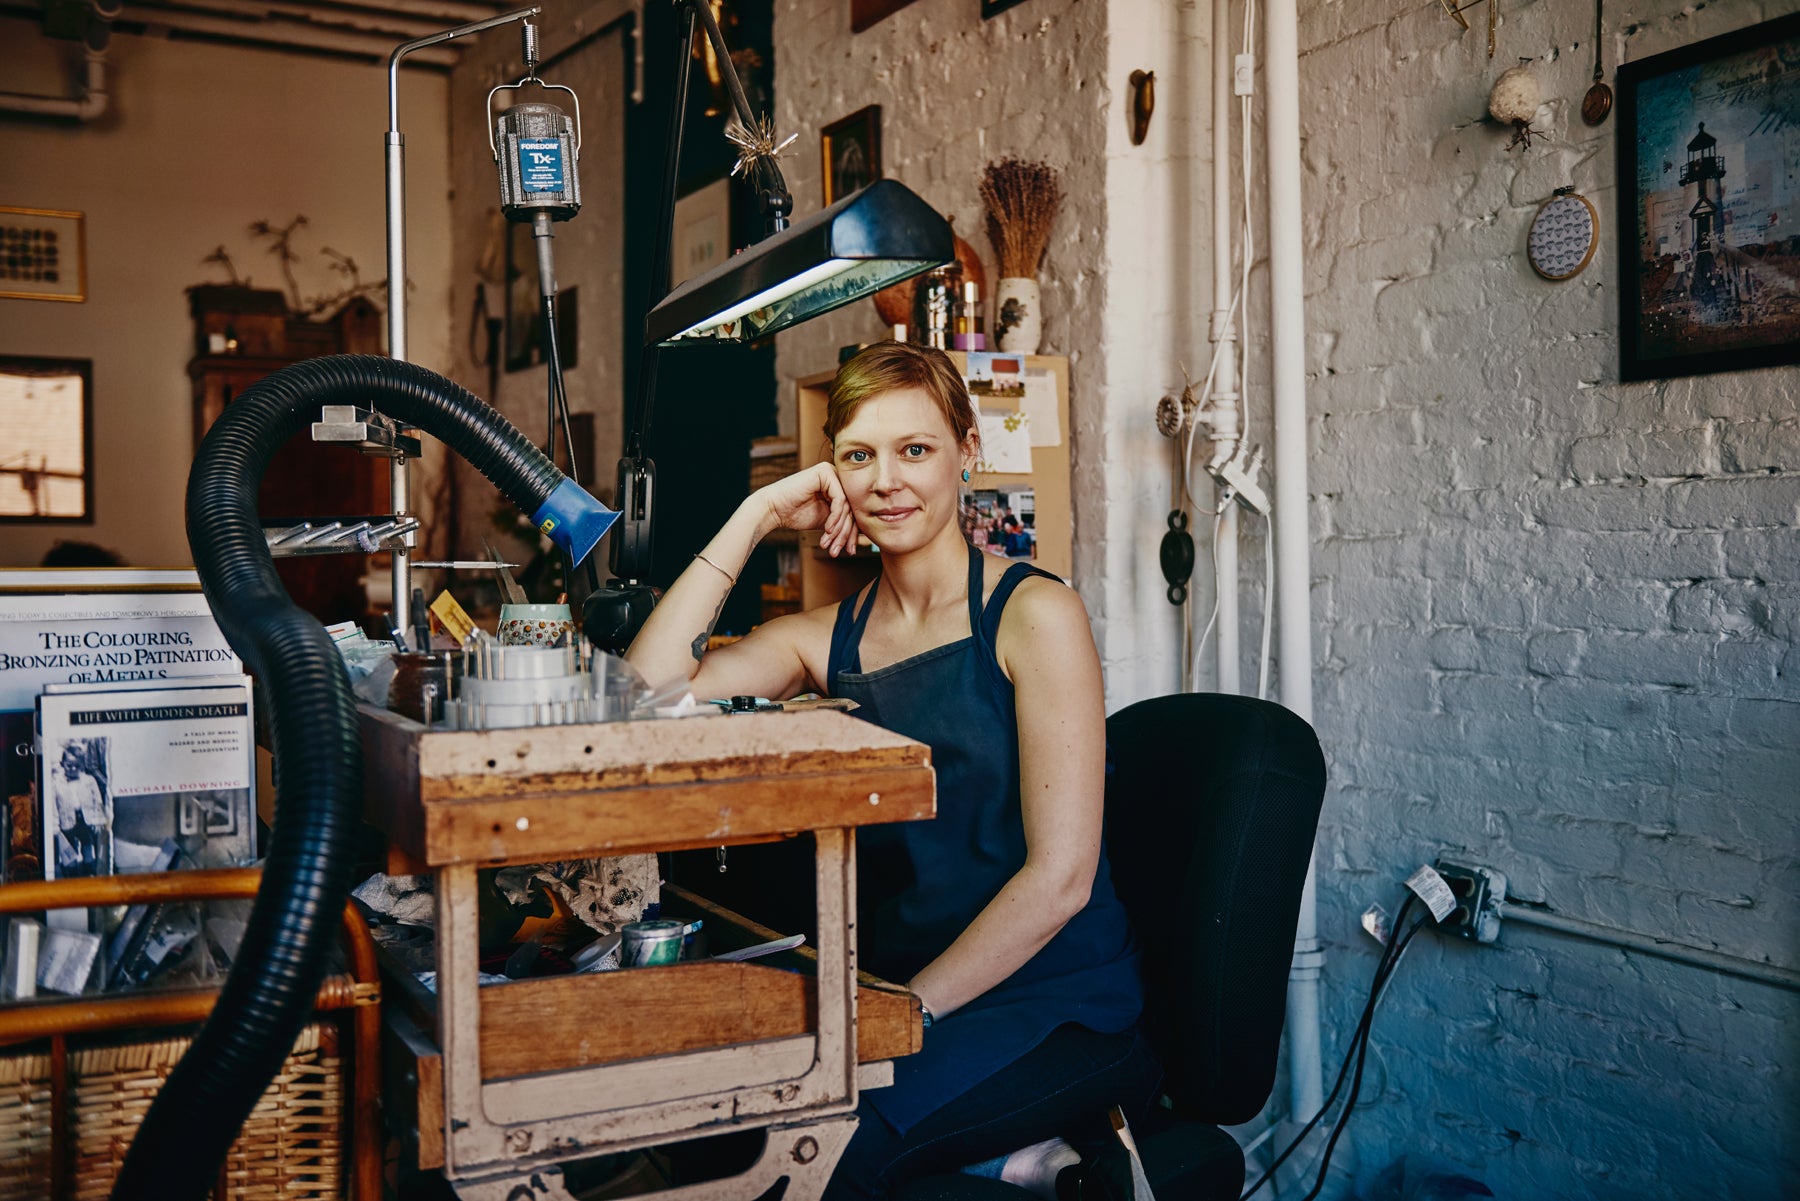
(1211, 806)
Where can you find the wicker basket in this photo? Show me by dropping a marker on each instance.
(289, 1150)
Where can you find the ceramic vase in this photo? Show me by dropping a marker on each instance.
(1018, 316)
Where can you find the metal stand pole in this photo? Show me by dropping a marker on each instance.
(394, 153)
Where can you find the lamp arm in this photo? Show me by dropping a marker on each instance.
(630, 546)
(771, 187)
(639, 414)
(733, 84)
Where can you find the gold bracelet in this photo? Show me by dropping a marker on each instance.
(718, 569)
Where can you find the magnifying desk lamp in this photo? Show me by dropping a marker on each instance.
(874, 237)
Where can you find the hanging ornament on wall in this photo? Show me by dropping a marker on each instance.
(1514, 100)
(1598, 101)
(1563, 236)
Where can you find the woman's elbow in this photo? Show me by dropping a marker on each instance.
(1056, 892)
(1069, 895)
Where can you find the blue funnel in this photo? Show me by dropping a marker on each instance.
(574, 520)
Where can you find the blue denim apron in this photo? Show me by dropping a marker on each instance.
(920, 884)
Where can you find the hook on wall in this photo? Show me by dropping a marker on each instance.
(1143, 103)
(1455, 13)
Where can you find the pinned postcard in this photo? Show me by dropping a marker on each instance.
(1039, 404)
(989, 374)
(1005, 442)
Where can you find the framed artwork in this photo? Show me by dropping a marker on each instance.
(46, 460)
(524, 307)
(702, 232)
(866, 14)
(43, 254)
(851, 152)
(1709, 205)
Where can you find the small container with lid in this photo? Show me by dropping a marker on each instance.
(968, 332)
(934, 306)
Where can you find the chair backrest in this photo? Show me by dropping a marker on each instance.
(1211, 806)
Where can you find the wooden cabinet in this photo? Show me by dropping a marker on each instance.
(242, 335)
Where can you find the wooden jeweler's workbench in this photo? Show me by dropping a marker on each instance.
(512, 1079)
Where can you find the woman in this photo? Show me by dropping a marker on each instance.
(1000, 913)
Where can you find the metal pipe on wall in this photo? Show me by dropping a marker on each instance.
(85, 107)
(1649, 944)
(93, 100)
(1223, 334)
(280, 34)
(1293, 552)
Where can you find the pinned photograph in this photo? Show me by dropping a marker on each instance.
(1002, 522)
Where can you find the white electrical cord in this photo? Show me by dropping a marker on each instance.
(1246, 257)
(1199, 648)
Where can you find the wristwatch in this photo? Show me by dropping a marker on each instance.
(925, 1011)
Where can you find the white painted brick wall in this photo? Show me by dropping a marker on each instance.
(955, 92)
(1556, 616)
(1043, 81)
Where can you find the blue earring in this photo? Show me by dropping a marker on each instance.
(965, 475)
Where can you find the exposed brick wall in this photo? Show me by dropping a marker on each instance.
(955, 92)
(1124, 273)
(1553, 613)
(1555, 620)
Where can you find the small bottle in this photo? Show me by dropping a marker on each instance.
(969, 334)
(934, 305)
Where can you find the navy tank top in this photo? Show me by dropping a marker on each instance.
(920, 884)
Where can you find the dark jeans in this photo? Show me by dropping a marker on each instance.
(1063, 1087)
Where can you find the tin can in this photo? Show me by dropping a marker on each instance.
(650, 944)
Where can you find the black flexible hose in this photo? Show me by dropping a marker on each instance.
(268, 995)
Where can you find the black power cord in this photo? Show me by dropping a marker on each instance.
(559, 414)
(1358, 1046)
(1362, 1050)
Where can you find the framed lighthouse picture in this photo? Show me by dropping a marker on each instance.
(1709, 205)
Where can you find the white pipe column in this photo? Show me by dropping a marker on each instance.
(93, 99)
(85, 107)
(1223, 403)
(1293, 552)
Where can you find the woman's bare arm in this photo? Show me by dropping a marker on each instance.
(1045, 645)
(768, 662)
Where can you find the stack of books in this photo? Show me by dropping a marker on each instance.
(129, 737)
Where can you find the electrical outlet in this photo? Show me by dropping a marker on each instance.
(1239, 473)
(1479, 892)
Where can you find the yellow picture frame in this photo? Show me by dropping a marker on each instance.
(36, 262)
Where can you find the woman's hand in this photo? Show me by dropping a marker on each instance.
(812, 499)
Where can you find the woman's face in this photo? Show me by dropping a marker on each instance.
(900, 465)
